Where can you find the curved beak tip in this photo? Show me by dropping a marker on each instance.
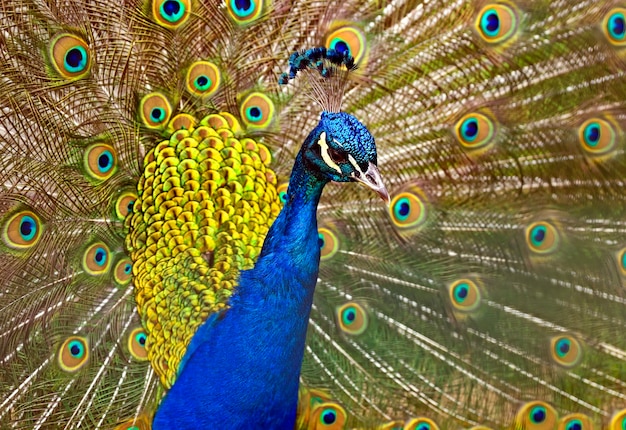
(384, 194)
(372, 179)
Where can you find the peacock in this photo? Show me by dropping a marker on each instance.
(193, 235)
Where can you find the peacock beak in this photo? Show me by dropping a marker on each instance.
(371, 179)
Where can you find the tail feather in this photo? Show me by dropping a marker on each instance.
(491, 292)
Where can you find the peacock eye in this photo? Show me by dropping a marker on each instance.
(337, 156)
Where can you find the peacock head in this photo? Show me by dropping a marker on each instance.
(341, 149)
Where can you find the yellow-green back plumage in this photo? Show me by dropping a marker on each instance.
(205, 204)
(491, 291)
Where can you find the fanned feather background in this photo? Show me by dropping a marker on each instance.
(491, 291)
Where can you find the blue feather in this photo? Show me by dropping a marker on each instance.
(224, 385)
(145, 148)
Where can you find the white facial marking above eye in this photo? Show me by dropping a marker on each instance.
(325, 156)
(338, 143)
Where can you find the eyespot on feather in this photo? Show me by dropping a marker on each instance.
(100, 161)
(475, 131)
(203, 79)
(124, 204)
(408, 209)
(421, 424)
(347, 37)
(497, 22)
(575, 422)
(73, 353)
(123, 271)
(618, 421)
(327, 416)
(171, 13)
(245, 12)
(329, 243)
(597, 137)
(536, 415)
(542, 238)
(351, 318)
(142, 422)
(257, 111)
(307, 400)
(464, 295)
(621, 261)
(566, 351)
(614, 26)
(137, 344)
(97, 259)
(154, 110)
(282, 192)
(70, 55)
(22, 230)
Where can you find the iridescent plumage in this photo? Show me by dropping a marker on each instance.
(146, 153)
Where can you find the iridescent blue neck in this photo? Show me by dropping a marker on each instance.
(296, 224)
(242, 367)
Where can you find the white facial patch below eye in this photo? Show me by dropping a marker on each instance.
(325, 156)
(355, 164)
